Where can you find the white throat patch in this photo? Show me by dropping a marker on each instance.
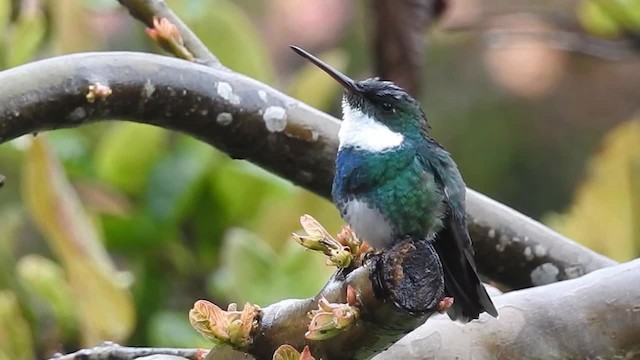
(359, 130)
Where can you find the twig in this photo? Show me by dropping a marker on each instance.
(112, 351)
(146, 10)
(564, 40)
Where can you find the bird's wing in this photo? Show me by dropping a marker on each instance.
(453, 243)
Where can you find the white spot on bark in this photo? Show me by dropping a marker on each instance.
(263, 95)
(573, 272)
(148, 89)
(204, 112)
(546, 273)
(491, 234)
(77, 114)
(503, 241)
(275, 118)
(539, 250)
(224, 119)
(225, 90)
(528, 254)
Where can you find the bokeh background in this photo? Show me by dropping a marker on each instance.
(113, 230)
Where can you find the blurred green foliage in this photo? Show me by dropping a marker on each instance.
(115, 229)
(605, 214)
(610, 18)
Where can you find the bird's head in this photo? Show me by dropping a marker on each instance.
(375, 107)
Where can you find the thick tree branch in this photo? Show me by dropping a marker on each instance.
(519, 252)
(596, 316)
(252, 121)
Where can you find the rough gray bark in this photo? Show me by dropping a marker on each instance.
(596, 316)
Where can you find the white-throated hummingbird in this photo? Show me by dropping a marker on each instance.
(393, 180)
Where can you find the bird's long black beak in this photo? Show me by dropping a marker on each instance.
(343, 79)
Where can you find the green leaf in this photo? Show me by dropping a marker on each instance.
(17, 342)
(133, 233)
(597, 20)
(11, 220)
(247, 268)
(172, 329)
(72, 31)
(23, 38)
(46, 280)
(286, 352)
(175, 180)
(303, 272)
(251, 270)
(243, 188)
(605, 214)
(126, 154)
(104, 305)
(230, 34)
(315, 87)
(608, 18)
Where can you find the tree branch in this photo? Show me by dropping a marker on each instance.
(111, 351)
(519, 252)
(612, 50)
(249, 120)
(399, 28)
(596, 316)
(146, 10)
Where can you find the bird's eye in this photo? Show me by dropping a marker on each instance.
(387, 107)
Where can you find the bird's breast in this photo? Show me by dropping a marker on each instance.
(384, 199)
(368, 222)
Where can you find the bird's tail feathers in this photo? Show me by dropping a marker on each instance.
(470, 298)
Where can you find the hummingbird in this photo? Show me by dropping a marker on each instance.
(393, 180)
